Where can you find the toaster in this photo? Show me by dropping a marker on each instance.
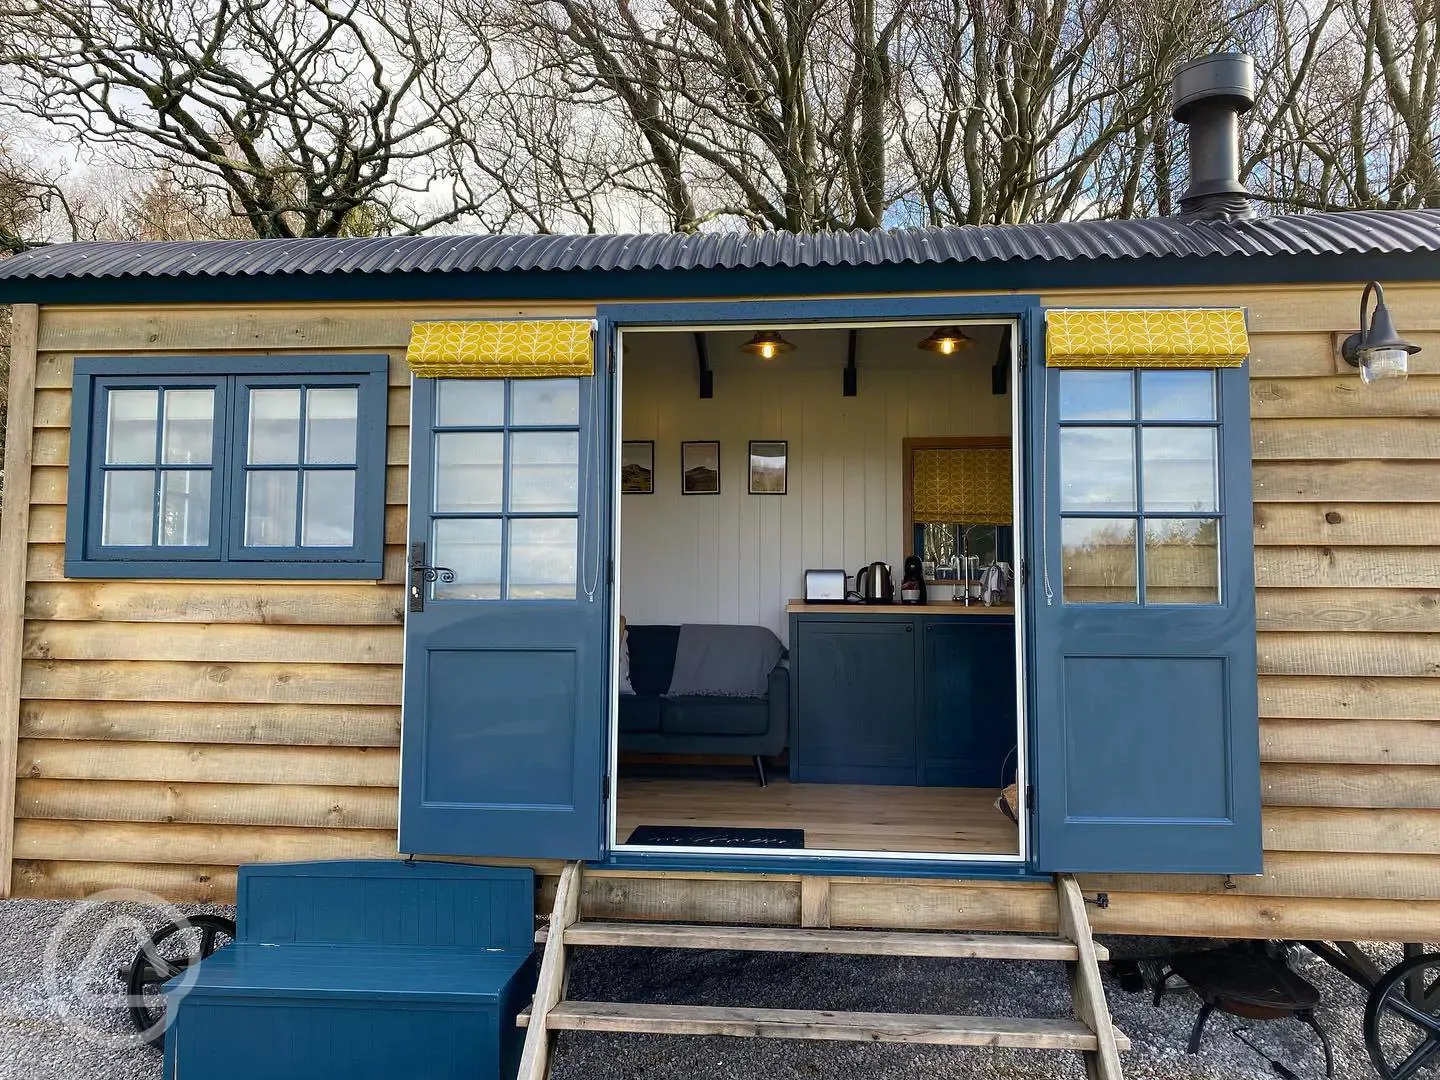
(825, 586)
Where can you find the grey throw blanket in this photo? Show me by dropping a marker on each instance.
(724, 661)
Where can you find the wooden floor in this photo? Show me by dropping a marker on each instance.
(835, 817)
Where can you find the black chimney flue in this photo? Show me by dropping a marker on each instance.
(1208, 96)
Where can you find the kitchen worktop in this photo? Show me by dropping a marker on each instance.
(933, 607)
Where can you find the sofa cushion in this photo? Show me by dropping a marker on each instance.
(640, 714)
(652, 657)
(715, 716)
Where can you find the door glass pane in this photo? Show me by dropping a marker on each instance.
(1098, 560)
(130, 438)
(189, 427)
(1097, 469)
(184, 508)
(469, 403)
(330, 416)
(128, 512)
(1096, 395)
(270, 508)
(469, 470)
(545, 402)
(471, 548)
(274, 427)
(328, 512)
(542, 559)
(1177, 395)
(544, 471)
(1179, 472)
(1182, 561)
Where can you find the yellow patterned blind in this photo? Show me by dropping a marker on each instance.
(1140, 338)
(962, 485)
(532, 349)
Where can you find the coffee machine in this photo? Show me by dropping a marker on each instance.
(912, 581)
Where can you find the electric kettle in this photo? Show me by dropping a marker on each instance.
(874, 585)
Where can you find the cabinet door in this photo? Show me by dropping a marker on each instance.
(968, 711)
(855, 698)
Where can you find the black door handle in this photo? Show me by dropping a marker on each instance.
(420, 574)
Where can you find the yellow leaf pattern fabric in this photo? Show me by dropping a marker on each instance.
(521, 349)
(1141, 338)
(963, 486)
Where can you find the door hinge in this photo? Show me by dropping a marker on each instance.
(609, 571)
(605, 788)
(1030, 797)
(1024, 572)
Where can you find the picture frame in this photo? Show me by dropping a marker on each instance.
(769, 466)
(637, 467)
(700, 467)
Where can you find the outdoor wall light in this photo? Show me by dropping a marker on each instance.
(946, 340)
(767, 344)
(1379, 352)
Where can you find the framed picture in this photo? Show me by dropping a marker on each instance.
(700, 468)
(768, 467)
(637, 468)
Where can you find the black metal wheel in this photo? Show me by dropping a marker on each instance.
(168, 952)
(1402, 1020)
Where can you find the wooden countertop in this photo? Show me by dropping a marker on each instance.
(934, 607)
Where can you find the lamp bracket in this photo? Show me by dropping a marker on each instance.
(851, 380)
(702, 364)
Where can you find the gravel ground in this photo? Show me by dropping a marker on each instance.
(48, 947)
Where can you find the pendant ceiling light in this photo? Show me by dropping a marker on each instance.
(946, 340)
(767, 344)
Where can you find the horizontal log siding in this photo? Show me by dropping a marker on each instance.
(260, 721)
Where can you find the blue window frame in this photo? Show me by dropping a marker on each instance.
(241, 467)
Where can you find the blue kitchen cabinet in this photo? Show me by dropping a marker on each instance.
(967, 707)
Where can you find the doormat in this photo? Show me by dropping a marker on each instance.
(699, 836)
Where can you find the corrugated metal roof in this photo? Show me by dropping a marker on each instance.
(1368, 232)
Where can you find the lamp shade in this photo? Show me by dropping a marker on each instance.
(767, 344)
(946, 340)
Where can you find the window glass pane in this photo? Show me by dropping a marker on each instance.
(1182, 561)
(471, 548)
(542, 559)
(468, 472)
(184, 508)
(189, 427)
(544, 471)
(469, 403)
(1177, 395)
(1179, 471)
(1098, 560)
(130, 438)
(270, 509)
(1097, 469)
(545, 401)
(330, 426)
(1096, 395)
(328, 513)
(128, 510)
(274, 427)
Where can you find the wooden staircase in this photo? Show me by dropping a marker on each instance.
(1090, 1033)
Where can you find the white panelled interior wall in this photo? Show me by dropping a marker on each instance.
(737, 557)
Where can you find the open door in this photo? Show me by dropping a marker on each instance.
(1142, 600)
(505, 644)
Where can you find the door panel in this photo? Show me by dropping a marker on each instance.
(1142, 614)
(505, 660)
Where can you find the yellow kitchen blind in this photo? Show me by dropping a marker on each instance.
(962, 485)
(1146, 338)
(531, 349)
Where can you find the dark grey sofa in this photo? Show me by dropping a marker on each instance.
(651, 723)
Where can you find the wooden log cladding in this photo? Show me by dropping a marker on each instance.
(1406, 655)
(255, 603)
(1359, 742)
(50, 880)
(1341, 396)
(1317, 439)
(1378, 610)
(308, 805)
(1395, 786)
(220, 642)
(1326, 481)
(1342, 524)
(1346, 567)
(1294, 355)
(190, 845)
(1357, 876)
(351, 766)
(139, 680)
(1364, 698)
(207, 722)
(1378, 831)
(1266, 917)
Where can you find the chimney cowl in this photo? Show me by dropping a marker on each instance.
(1208, 95)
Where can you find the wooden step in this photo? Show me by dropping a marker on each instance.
(840, 942)
(815, 1024)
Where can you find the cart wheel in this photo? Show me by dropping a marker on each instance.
(1402, 1020)
(169, 951)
